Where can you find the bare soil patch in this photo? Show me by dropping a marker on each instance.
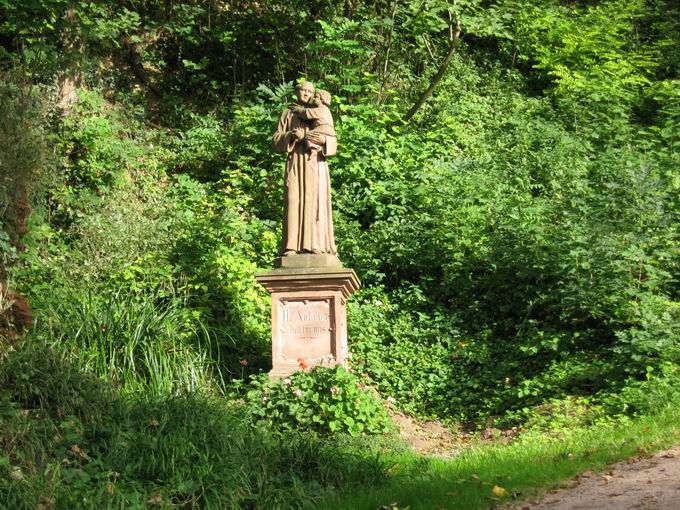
(428, 438)
(641, 484)
(434, 438)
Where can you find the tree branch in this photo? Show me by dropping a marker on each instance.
(455, 40)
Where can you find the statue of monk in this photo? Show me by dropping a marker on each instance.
(307, 217)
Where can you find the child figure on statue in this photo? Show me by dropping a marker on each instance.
(319, 119)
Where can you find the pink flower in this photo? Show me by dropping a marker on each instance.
(335, 390)
(287, 382)
(243, 362)
(297, 392)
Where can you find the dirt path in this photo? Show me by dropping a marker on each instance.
(644, 484)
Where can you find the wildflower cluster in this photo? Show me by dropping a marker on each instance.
(324, 399)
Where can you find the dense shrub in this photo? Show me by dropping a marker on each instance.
(325, 399)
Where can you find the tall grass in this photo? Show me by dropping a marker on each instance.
(144, 344)
(70, 440)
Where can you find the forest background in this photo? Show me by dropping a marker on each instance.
(506, 188)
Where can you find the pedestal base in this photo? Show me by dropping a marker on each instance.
(308, 260)
(309, 316)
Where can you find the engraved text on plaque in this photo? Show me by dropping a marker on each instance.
(305, 327)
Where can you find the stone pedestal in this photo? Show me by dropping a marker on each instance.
(309, 315)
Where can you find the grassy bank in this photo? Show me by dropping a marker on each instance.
(71, 440)
(487, 476)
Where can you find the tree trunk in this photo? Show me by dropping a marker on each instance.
(69, 80)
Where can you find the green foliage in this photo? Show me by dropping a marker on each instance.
(325, 400)
(218, 250)
(517, 240)
(99, 148)
(598, 67)
(143, 344)
(658, 391)
(119, 221)
(69, 440)
(341, 48)
(560, 415)
(24, 156)
(653, 336)
(252, 172)
(406, 349)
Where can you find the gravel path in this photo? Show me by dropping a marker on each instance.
(644, 484)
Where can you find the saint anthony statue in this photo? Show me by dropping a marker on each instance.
(306, 133)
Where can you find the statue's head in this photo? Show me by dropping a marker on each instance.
(323, 96)
(304, 91)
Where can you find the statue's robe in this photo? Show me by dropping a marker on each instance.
(307, 217)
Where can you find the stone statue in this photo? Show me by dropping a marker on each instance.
(306, 132)
(309, 287)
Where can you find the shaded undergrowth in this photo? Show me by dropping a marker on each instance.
(70, 440)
